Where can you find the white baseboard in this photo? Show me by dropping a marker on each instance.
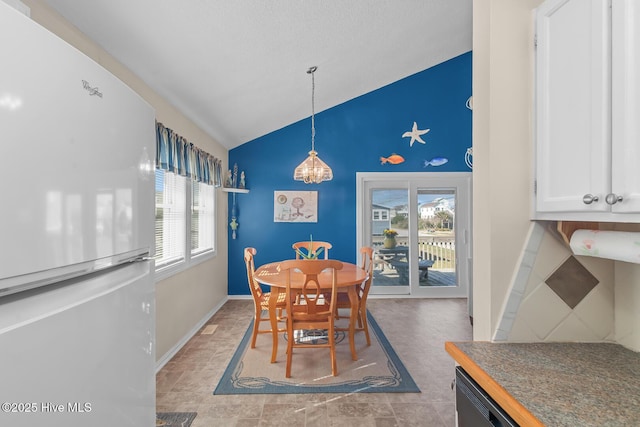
(176, 348)
(239, 297)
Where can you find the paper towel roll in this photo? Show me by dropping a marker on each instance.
(618, 245)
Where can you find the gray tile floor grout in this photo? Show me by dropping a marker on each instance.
(416, 328)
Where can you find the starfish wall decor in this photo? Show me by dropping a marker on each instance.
(414, 134)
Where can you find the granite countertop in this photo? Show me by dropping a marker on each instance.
(557, 384)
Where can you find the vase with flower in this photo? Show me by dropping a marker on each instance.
(389, 241)
(311, 252)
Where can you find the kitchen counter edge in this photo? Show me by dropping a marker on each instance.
(515, 409)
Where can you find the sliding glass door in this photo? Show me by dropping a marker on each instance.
(419, 227)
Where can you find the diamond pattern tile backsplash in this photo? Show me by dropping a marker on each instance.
(572, 282)
(558, 297)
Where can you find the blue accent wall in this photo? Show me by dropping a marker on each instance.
(351, 137)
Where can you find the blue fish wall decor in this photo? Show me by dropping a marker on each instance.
(436, 161)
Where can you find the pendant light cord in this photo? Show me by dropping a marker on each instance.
(313, 170)
(311, 71)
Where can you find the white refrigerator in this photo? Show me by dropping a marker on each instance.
(77, 310)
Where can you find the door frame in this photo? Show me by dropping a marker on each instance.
(461, 181)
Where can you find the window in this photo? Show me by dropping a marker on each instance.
(380, 215)
(202, 218)
(183, 208)
(170, 218)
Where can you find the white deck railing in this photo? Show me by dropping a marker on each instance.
(442, 252)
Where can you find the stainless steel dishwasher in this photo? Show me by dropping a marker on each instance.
(475, 407)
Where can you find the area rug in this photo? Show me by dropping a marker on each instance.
(175, 419)
(377, 370)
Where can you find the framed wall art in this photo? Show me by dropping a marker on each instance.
(295, 206)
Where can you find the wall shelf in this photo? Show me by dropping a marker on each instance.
(235, 190)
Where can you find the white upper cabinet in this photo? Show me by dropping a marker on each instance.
(587, 123)
(625, 111)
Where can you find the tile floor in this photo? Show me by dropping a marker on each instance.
(417, 329)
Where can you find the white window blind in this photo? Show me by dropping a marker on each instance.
(171, 218)
(202, 218)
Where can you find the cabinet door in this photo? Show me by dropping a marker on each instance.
(573, 154)
(626, 106)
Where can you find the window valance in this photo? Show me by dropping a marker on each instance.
(175, 154)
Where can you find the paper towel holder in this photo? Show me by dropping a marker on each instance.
(566, 228)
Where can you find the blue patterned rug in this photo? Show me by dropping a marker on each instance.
(378, 370)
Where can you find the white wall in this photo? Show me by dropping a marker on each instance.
(186, 299)
(502, 147)
(627, 300)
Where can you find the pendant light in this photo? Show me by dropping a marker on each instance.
(313, 170)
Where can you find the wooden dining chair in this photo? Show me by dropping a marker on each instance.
(313, 311)
(260, 299)
(362, 289)
(309, 246)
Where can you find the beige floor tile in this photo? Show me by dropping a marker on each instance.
(416, 328)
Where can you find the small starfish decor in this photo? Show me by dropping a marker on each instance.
(414, 134)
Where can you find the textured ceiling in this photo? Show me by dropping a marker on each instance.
(237, 68)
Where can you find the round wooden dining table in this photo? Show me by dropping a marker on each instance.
(347, 278)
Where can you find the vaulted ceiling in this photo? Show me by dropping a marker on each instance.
(238, 68)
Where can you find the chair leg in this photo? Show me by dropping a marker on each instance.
(256, 327)
(332, 349)
(290, 339)
(365, 325)
(360, 321)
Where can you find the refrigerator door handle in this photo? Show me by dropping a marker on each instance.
(12, 285)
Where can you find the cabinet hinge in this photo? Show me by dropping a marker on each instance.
(535, 41)
(535, 187)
